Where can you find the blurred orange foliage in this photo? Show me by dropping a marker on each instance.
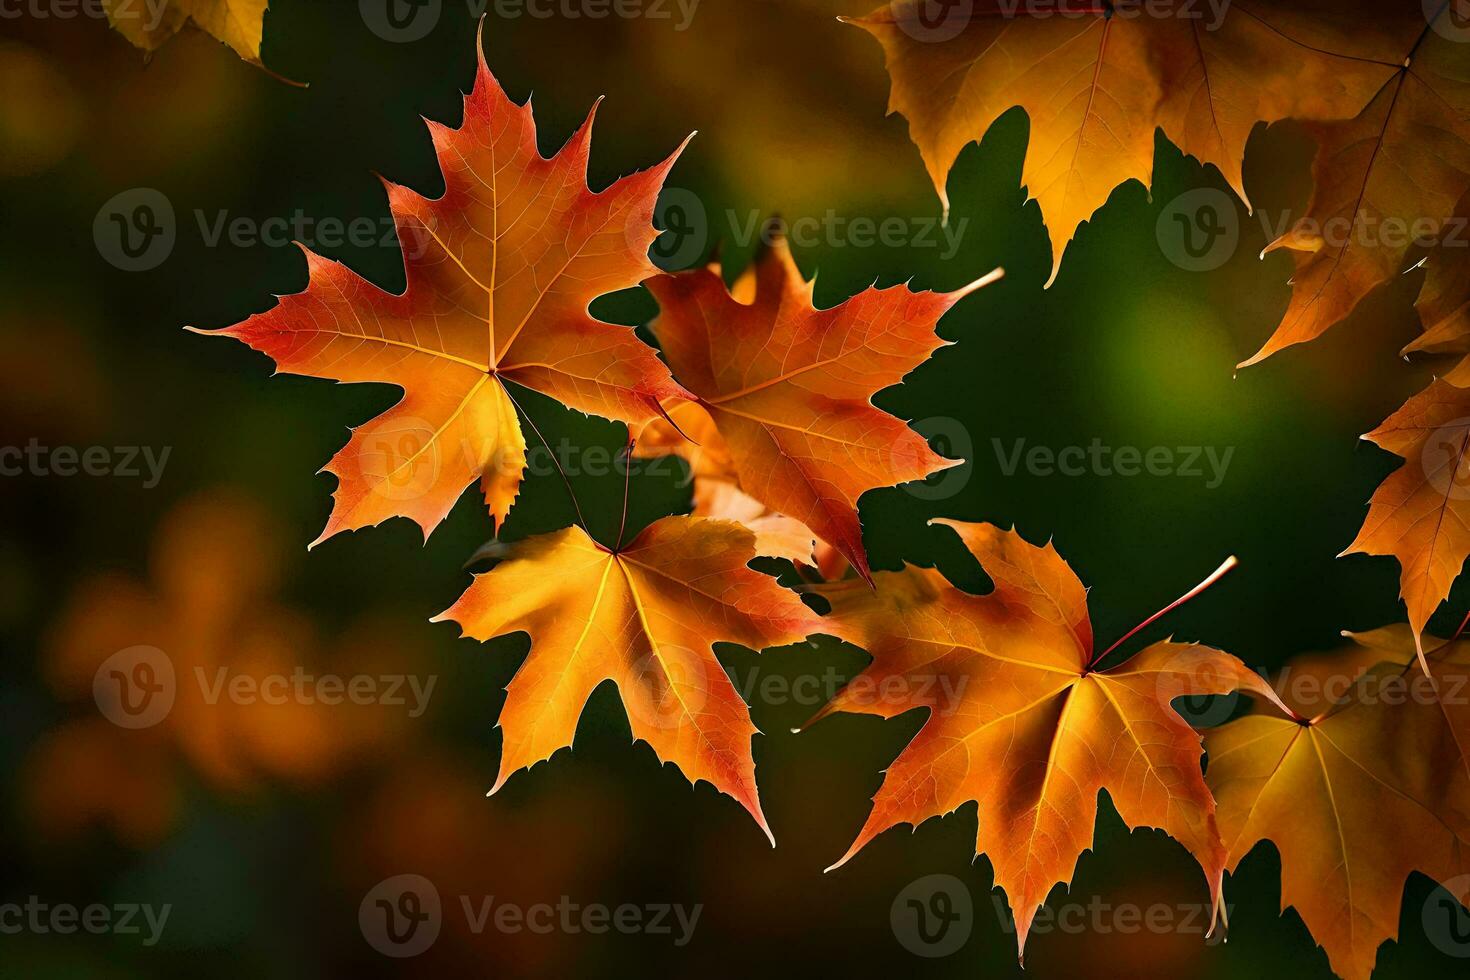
(208, 609)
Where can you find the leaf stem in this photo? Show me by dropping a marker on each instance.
(1214, 577)
(627, 486)
(576, 505)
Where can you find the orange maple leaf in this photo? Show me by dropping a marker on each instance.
(1421, 513)
(501, 269)
(237, 23)
(645, 616)
(690, 434)
(1020, 718)
(1096, 85)
(1444, 300)
(1355, 799)
(789, 387)
(1404, 160)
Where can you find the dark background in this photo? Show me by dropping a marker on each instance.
(1125, 347)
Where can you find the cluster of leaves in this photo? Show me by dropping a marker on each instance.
(1384, 89)
(770, 399)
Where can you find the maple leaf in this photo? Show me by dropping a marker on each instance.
(645, 616)
(501, 269)
(776, 536)
(148, 25)
(1355, 799)
(1403, 160)
(1020, 718)
(689, 433)
(789, 387)
(1421, 513)
(1096, 85)
(1444, 301)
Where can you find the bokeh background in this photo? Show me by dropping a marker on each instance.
(264, 828)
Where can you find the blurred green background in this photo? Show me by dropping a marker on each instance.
(266, 873)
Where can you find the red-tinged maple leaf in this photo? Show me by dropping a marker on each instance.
(790, 387)
(645, 616)
(501, 269)
(1022, 720)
